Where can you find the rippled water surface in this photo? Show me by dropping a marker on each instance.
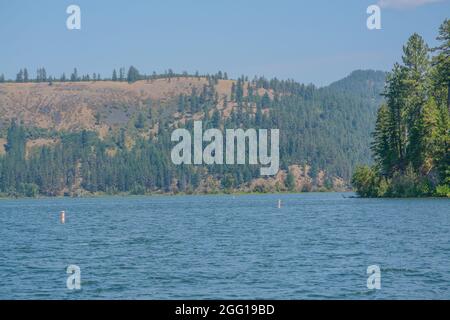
(317, 246)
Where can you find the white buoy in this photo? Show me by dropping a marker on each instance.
(62, 217)
(279, 204)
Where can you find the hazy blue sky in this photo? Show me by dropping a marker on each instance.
(310, 41)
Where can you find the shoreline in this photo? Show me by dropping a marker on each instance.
(127, 195)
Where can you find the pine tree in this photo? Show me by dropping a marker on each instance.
(140, 121)
(416, 63)
(412, 133)
(215, 120)
(382, 145)
(290, 181)
(44, 74)
(429, 131)
(97, 118)
(74, 75)
(181, 103)
(396, 95)
(122, 74)
(25, 75)
(39, 75)
(133, 75)
(441, 63)
(441, 84)
(19, 77)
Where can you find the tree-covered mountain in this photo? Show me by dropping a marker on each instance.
(90, 134)
(411, 144)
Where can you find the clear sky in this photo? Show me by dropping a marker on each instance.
(316, 41)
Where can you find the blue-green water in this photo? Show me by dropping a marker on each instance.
(225, 247)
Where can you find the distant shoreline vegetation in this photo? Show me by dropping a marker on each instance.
(4, 196)
(412, 133)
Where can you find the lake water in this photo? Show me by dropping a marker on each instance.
(317, 246)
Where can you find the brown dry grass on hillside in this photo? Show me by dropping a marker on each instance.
(2, 146)
(74, 106)
(40, 142)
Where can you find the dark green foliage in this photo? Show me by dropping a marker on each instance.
(19, 76)
(412, 133)
(74, 75)
(25, 75)
(133, 75)
(290, 181)
(97, 118)
(41, 75)
(140, 121)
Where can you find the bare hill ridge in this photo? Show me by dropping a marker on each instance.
(74, 105)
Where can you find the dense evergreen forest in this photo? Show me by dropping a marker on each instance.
(325, 129)
(412, 133)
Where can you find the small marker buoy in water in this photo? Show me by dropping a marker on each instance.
(62, 217)
(279, 204)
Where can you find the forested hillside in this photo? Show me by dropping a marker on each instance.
(412, 134)
(86, 134)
